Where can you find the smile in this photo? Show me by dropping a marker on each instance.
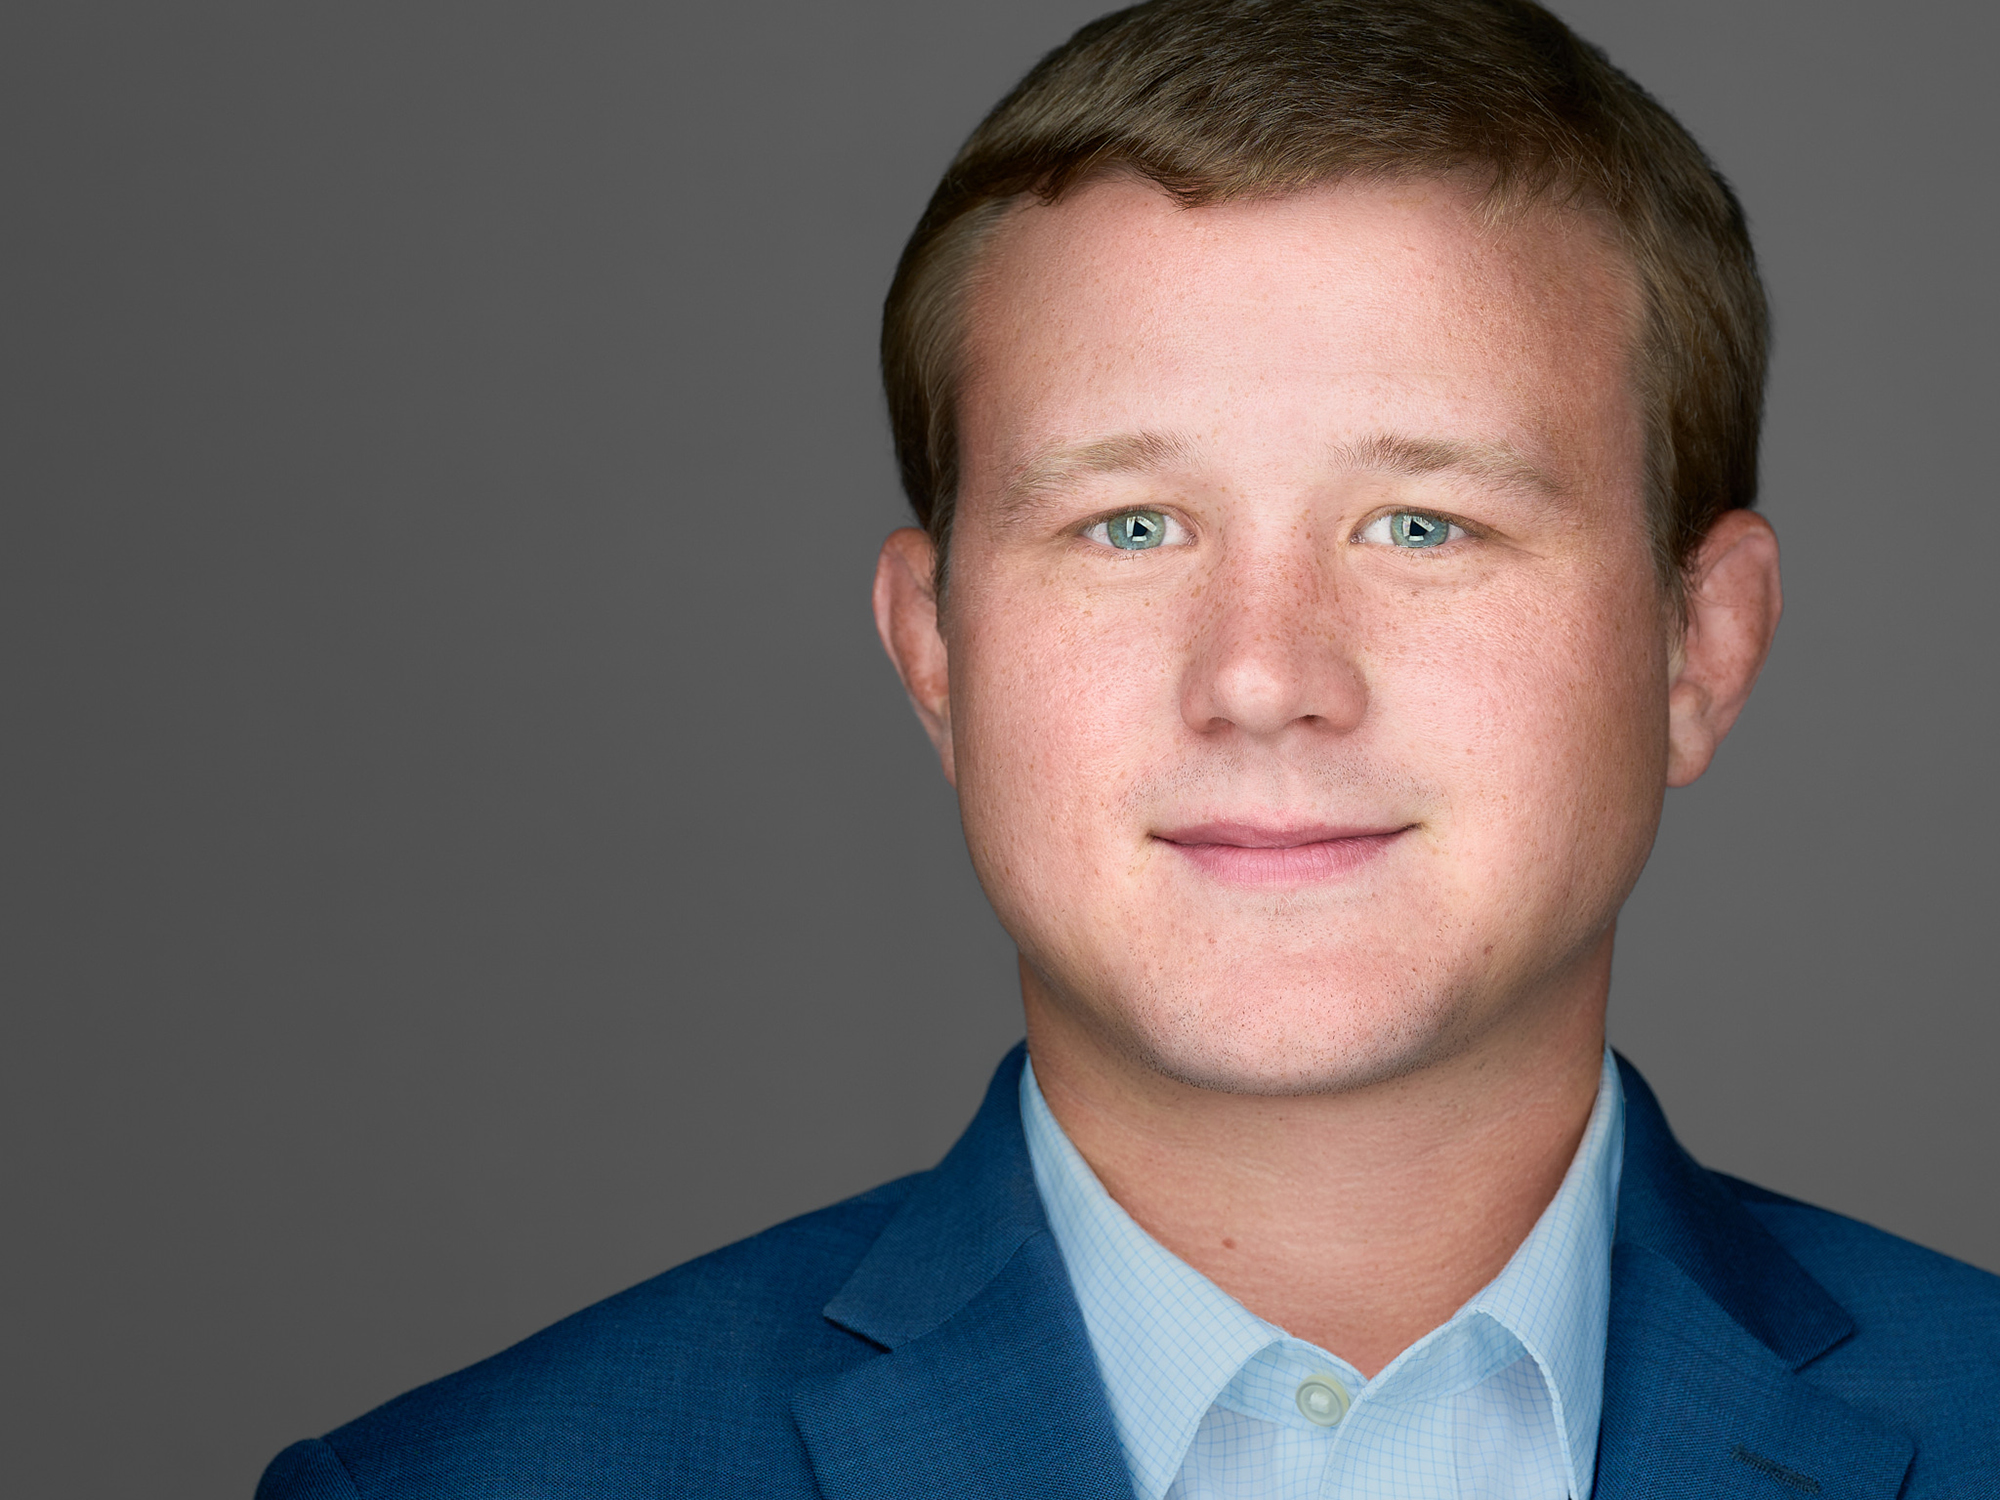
(1248, 855)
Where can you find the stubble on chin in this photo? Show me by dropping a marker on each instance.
(1228, 1028)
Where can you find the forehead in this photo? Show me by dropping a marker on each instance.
(1333, 315)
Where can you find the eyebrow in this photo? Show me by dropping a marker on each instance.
(1414, 457)
(1059, 468)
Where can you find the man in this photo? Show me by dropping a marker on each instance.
(1333, 425)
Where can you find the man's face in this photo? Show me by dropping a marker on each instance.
(1307, 660)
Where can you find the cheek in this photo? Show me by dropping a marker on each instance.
(1054, 701)
(1543, 729)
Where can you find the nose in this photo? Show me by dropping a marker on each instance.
(1272, 652)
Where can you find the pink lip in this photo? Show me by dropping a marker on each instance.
(1252, 855)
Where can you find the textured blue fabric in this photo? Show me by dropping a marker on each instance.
(922, 1340)
(1502, 1399)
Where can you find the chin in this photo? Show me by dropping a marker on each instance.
(1299, 1038)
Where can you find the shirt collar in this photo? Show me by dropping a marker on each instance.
(1169, 1342)
(1554, 1295)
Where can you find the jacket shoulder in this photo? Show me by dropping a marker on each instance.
(1899, 1286)
(1925, 1353)
(677, 1385)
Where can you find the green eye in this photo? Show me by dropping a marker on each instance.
(1408, 529)
(1136, 530)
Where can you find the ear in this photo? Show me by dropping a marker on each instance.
(1733, 604)
(906, 617)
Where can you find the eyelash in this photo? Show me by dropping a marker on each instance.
(1099, 530)
(1454, 530)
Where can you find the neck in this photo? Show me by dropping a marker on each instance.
(1357, 1220)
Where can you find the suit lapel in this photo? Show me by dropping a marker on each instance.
(1711, 1324)
(986, 1385)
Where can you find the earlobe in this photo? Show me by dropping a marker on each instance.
(906, 618)
(1733, 604)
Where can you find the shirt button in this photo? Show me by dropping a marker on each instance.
(1322, 1400)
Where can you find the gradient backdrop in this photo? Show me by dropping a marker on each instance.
(463, 850)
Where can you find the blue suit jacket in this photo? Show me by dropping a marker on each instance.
(922, 1340)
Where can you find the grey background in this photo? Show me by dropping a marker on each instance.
(463, 853)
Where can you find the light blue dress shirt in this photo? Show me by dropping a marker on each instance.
(1213, 1403)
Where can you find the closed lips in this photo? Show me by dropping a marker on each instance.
(1246, 854)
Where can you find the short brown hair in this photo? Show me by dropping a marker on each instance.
(1218, 99)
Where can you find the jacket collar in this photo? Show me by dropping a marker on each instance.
(1712, 1321)
(962, 1222)
(987, 1384)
